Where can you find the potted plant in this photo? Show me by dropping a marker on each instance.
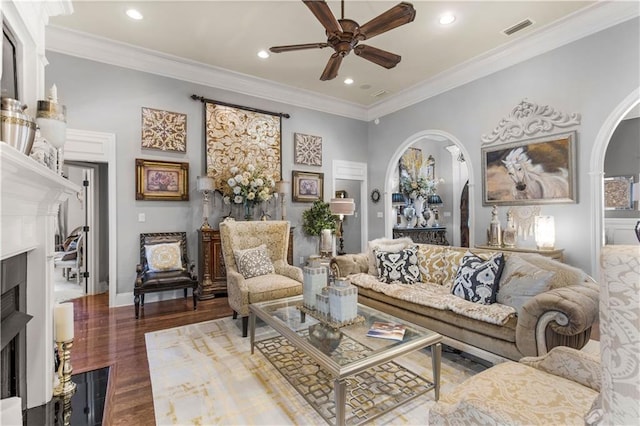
(318, 221)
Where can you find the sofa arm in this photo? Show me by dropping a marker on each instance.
(571, 364)
(348, 264)
(562, 316)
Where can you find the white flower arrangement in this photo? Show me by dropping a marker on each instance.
(249, 185)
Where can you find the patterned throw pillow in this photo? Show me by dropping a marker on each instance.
(385, 244)
(521, 281)
(477, 279)
(254, 262)
(164, 257)
(399, 266)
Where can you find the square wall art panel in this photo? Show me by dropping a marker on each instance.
(164, 130)
(307, 149)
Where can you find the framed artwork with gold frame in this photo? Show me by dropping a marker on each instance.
(307, 186)
(162, 180)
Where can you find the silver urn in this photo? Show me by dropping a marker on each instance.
(17, 128)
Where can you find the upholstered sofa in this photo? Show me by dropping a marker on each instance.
(540, 303)
(558, 388)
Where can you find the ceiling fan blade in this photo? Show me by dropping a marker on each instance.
(292, 47)
(377, 56)
(331, 70)
(323, 14)
(400, 14)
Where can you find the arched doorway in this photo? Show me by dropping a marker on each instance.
(596, 172)
(457, 184)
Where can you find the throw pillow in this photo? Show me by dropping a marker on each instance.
(388, 245)
(521, 281)
(477, 279)
(254, 262)
(399, 266)
(164, 257)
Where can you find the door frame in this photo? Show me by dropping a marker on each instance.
(353, 170)
(99, 147)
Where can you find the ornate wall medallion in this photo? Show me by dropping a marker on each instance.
(307, 149)
(164, 130)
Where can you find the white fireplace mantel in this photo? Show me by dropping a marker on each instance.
(29, 201)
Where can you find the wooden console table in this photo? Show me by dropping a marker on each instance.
(556, 254)
(430, 235)
(212, 274)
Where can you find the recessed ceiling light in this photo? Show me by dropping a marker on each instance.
(348, 81)
(447, 18)
(263, 54)
(134, 14)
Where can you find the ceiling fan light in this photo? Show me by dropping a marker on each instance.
(447, 18)
(134, 14)
(263, 54)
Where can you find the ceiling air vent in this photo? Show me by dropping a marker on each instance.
(379, 93)
(517, 27)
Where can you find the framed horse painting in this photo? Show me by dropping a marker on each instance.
(533, 171)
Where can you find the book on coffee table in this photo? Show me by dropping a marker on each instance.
(387, 330)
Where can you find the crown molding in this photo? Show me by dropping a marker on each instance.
(599, 16)
(100, 49)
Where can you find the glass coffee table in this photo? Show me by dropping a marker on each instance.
(360, 372)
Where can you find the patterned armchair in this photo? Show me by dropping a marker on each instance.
(255, 257)
(558, 388)
(164, 265)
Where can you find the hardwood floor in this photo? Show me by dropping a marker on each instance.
(113, 337)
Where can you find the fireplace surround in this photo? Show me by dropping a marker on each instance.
(30, 198)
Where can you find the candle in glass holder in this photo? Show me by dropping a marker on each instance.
(63, 319)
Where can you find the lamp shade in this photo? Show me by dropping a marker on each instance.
(434, 199)
(397, 199)
(342, 206)
(205, 183)
(282, 187)
(545, 232)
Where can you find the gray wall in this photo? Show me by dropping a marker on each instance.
(106, 98)
(623, 159)
(590, 76)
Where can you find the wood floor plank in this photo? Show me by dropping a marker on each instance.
(113, 337)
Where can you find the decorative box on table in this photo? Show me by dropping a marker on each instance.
(314, 280)
(322, 302)
(343, 302)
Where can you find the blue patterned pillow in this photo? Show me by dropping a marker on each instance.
(399, 266)
(477, 279)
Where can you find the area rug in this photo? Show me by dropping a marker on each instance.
(204, 374)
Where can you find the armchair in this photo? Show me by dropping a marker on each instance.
(559, 387)
(71, 260)
(262, 243)
(164, 265)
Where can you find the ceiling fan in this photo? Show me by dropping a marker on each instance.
(343, 35)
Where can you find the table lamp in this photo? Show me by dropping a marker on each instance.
(205, 185)
(341, 207)
(397, 201)
(434, 200)
(545, 232)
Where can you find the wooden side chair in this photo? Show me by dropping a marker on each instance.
(164, 265)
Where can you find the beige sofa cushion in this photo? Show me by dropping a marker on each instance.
(521, 281)
(431, 262)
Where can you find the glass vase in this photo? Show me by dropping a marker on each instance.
(248, 210)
